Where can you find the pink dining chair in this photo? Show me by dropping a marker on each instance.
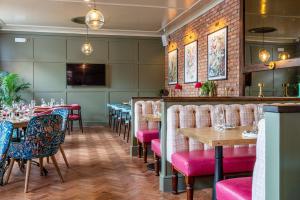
(75, 115)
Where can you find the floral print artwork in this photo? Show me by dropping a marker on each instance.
(173, 67)
(191, 63)
(217, 55)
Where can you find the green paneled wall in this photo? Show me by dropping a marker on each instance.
(135, 67)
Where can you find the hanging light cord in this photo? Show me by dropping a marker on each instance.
(87, 33)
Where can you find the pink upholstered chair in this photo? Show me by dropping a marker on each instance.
(192, 158)
(145, 131)
(247, 188)
(75, 115)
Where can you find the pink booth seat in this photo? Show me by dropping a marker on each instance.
(202, 162)
(235, 189)
(146, 136)
(155, 147)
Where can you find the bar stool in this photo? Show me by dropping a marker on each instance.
(75, 115)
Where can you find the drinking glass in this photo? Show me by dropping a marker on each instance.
(43, 102)
(62, 102)
(219, 114)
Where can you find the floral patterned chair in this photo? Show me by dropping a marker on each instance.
(42, 139)
(6, 131)
(64, 112)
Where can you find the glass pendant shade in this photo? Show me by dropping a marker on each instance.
(264, 55)
(284, 55)
(87, 48)
(94, 19)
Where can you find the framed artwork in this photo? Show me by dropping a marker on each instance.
(191, 62)
(172, 67)
(217, 55)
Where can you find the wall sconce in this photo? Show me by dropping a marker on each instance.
(283, 55)
(189, 37)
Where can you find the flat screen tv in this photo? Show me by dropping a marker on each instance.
(85, 74)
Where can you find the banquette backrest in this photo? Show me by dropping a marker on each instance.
(192, 116)
(142, 108)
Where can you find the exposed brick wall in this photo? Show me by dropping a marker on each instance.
(224, 14)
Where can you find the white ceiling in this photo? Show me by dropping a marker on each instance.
(122, 17)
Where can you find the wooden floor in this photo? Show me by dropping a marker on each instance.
(101, 169)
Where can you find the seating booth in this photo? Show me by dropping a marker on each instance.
(169, 102)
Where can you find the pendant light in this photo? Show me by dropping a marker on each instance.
(264, 54)
(94, 18)
(87, 47)
(283, 55)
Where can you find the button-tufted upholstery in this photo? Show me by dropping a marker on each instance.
(142, 108)
(192, 116)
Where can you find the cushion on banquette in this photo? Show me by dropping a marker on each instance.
(142, 108)
(202, 162)
(155, 146)
(235, 189)
(145, 136)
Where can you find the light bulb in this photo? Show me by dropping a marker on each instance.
(283, 55)
(94, 19)
(87, 48)
(264, 55)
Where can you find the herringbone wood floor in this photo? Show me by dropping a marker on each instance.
(101, 169)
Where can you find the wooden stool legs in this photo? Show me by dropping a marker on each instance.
(189, 181)
(145, 152)
(156, 164)
(174, 181)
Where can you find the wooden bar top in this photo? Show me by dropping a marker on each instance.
(213, 137)
(230, 99)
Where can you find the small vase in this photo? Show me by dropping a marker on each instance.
(210, 93)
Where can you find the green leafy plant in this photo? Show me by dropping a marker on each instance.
(209, 88)
(11, 86)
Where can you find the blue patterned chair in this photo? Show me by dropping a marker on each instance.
(42, 139)
(6, 130)
(64, 112)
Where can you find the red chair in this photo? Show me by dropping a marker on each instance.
(75, 115)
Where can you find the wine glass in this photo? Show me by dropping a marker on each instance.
(219, 114)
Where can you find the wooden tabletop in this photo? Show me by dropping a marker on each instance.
(152, 118)
(213, 137)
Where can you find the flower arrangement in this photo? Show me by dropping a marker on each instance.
(178, 87)
(198, 85)
(207, 88)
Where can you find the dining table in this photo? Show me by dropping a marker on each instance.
(217, 139)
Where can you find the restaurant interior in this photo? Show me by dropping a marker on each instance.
(150, 99)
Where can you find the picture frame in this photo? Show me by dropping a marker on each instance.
(217, 54)
(173, 67)
(191, 62)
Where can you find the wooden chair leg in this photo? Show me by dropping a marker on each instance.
(189, 181)
(68, 127)
(156, 164)
(80, 124)
(10, 167)
(120, 127)
(57, 168)
(28, 167)
(41, 160)
(174, 181)
(128, 133)
(145, 152)
(124, 133)
(64, 156)
(71, 125)
(139, 149)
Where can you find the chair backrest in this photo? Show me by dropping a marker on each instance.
(192, 116)
(142, 108)
(6, 131)
(75, 107)
(64, 112)
(258, 181)
(42, 136)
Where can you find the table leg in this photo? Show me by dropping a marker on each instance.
(218, 168)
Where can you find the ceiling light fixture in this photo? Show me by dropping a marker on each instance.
(94, 18)
(283, 55)
(87, 47)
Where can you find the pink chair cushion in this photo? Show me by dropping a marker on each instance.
(145, 136)
(202, 162)
(75, 106)
(74, 117)
(235, 189)
(155, 147)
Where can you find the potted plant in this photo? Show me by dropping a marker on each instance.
(209, 88)
(10, 87)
